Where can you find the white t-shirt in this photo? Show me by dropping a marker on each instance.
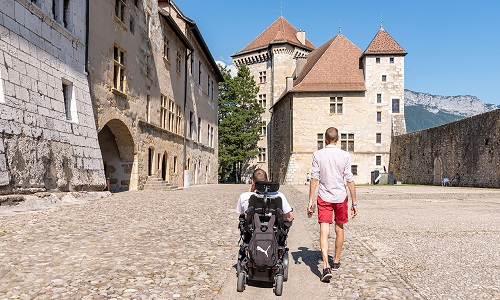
(242, 204)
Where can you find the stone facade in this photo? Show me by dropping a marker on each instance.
(48, 139)
(154, 115)
(270, 67)
(468, 147)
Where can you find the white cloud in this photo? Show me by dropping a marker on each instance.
(232, 69)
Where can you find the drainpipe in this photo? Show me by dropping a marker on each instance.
(270, 132)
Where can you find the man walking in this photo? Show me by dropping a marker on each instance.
(331, 167)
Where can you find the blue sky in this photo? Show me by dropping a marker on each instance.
(453, 46)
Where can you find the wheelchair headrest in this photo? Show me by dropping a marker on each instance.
(266, 186)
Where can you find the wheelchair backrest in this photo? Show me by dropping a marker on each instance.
(265, 203)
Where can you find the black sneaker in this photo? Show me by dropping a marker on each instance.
(336, 266)
(327, 275)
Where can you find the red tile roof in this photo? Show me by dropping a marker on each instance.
(334, 66)
(281, 31)
(383, 43)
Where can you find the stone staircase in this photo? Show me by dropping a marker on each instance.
(156, 183)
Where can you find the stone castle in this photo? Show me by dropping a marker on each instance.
(306, 89)
(97, 94)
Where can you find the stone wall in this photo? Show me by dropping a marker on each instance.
(469, 147)
(48, 139)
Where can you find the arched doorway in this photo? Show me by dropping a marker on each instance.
(117, 150)
(438, 171)
(164, 167)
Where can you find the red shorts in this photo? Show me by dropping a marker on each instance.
(326, 210)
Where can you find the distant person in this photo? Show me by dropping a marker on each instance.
(308, 178)
(331, 166)
(456, 179)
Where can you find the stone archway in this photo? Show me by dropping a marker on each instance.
(117, 150)
(438, 171)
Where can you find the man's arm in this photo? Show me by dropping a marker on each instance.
(312, 190)
(352, 191)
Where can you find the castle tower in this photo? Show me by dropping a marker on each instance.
(271, 58)
(383, 62)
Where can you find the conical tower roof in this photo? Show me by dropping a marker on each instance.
(281, 31)
(383, 43)
(334, 66)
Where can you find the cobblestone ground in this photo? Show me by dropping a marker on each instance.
(407, 243)
(133, 245)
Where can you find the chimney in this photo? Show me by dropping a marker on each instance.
(299, 65)
(301, 36)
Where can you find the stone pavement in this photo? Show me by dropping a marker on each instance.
(407, 243)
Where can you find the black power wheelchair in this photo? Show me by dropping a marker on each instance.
(264, 213)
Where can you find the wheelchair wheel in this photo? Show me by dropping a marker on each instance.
(242, 276)
(278, 285)
(285, 266)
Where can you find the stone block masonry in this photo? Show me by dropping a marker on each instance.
(468, 147)
(48, 139)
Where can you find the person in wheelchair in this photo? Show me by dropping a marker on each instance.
(242, 205)
(260, 209)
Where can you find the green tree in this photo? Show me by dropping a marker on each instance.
(240, 122)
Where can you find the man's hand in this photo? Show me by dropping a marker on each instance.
(354, 210)
(310, 208)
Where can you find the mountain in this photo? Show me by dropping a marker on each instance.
(424, 110)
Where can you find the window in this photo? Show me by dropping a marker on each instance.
(377, 60)
(395, 106)
(171, 116)
(391, 60)
(263, 130)
(191, 124)
(61, 12)
(354, 169)
(199, 130)
(379, 116)
(208, 88)
(132, 24)
(148, 24)
(336, 105)
(212, 137)
(262, 154)
(67, 89)
(320, 141)
(262, 77)
(191, 58)
(178, 119)
(175, 164)
(166, 48)
(119, 70)
(212, 92)
(199, 72)
(347, 142)
(384, 78)
(120, 9)
(66, 14)
(164, 112)
(263, 100)
(379, 98)
(178, 62)
(378, 160)
(148, 66)
(378, 138)
(148, 108)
